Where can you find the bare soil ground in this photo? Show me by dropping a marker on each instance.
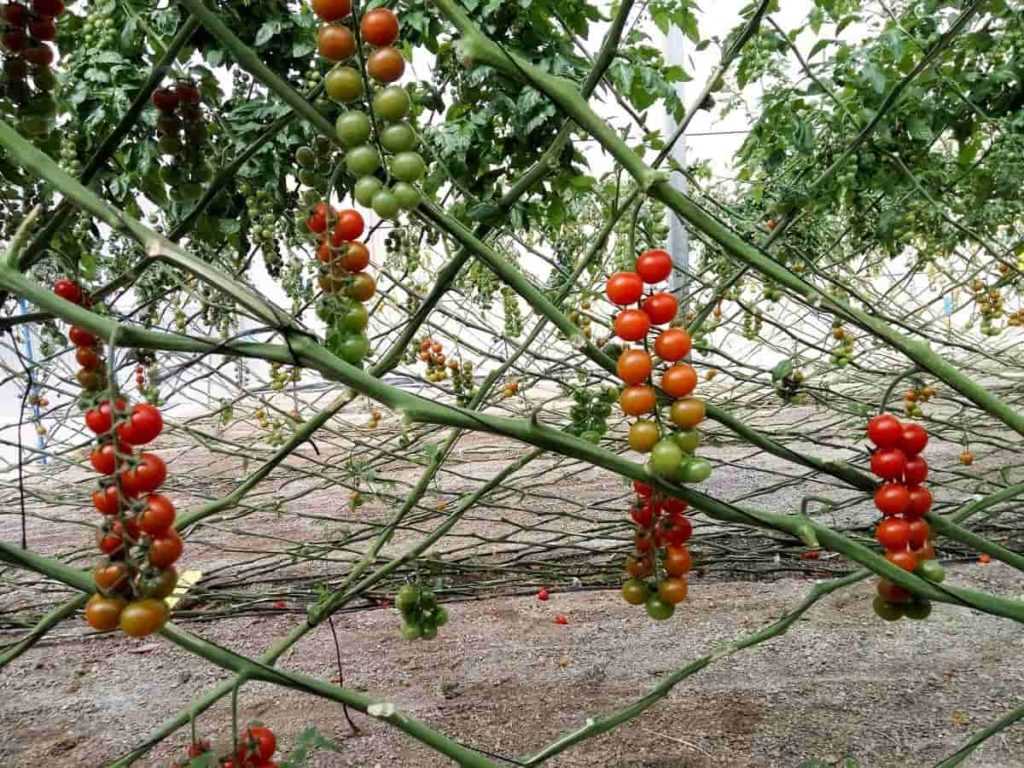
(504, 677)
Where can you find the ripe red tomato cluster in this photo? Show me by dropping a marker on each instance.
(658, 566)
(256, 748)
(378, 28)
(137, 535)
(182, 135)
(27, 30)
(671, 451)
(903, 500)
(346, 286)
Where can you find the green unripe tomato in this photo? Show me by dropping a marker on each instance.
(385, 204)
(171, 175)
(353, 128)
(362, 161)
(307, 177)
(665, 457)
(392, 103)
(688, 439)
(354, 348)
(694, 470)
(354, 319)
(440, 616)
(365, 188)
(411, 631)
(429, 632)
(407, 598)
(44, 79)
(408, 166)
(190, 192)
(406, 194)
(203, 172)
(169, 144)
(931, 570)
(305, 157)
(886, 610)
(343, 84)
(658, 609)
(635, 592)
(399, 137)
(917, 610)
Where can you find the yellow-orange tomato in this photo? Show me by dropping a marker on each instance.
(679, 380)
(672, 590)
(103, 613)
(677, 560)
(634, 366)
(643, 434)
(637, 399)
(144, 617)
(639, 567)
(687, 412)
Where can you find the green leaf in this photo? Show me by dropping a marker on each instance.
(308, 741)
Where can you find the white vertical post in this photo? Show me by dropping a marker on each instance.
(678, 237)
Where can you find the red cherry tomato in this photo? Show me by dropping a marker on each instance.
(914, 439)
(902, 559)
(144, 425)
(15, 14)
(543, 595)
(379, 27)
(679, 380)
(317, 221)
(916, 471)
(661, 307)
(675, 531)
(892, 593)
(642, 514)
(674, 506)
(48, 7)
(109, 542)
(672, 344)
(165, 99)
(643, 490)
(893, 533)
(631, 324)
(165, 550)
(148, 475)
(885, 431)
(888, 463)
(68, 290)
(920, 501)
(157, 516)
(258, 745)
(654, 266)
(919, 531)
(624, 288)
(643, 540)
(349, 226)
(892, 498)
(634, 366)
(107, 500)
(81, 337)
(104, 459)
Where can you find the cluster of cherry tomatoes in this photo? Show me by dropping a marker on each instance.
(671, 448)
(255, 749)
(903, 500)
(27, 30)
(365, 137)
(432, 353)
(421, 615)
(346, 286)
(658, 566)
(182, 137)
(136, 536)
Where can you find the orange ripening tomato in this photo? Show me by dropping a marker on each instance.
(637, 399)
(679, 380)
(624, 288)
(379, 27)
(672, 344)
(631, 324)
(634, 366)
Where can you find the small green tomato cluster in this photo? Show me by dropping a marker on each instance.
(590, 411)
(421, 615)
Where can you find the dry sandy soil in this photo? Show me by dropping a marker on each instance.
(503, 677)
(506, 678)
